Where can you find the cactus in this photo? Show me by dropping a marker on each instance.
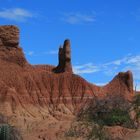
(8, 132)
(5, 132)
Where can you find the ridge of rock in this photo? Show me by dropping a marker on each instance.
(41, 85)
(35, 97)
(122, 84)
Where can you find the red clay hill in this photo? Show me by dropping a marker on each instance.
(42, 100)
(23, 84)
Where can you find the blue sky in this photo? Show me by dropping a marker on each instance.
(104, 34)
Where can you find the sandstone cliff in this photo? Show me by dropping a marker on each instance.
(43, 85)
(9, 45)
(30, 94)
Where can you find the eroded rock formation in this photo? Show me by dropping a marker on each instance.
(64, 57)
(9, 36)
(41, 85)
(9, 45)
(121, 84)
(36, 96)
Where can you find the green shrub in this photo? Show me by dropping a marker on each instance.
(5, 132)
(137, 114)
(136, 101)
(112, 110)
(8, 132)
(136, 105)
(113, 117)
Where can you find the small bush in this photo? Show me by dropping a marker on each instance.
(110, 111)
(88, 131)
(71, 133)
(98, 132)
(136, 101)
(114, 117)
(137, 114)
(136, 105)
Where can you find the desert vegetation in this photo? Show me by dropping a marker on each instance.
(87, 131)
(113, 110)
(136, 108)
(8, 132)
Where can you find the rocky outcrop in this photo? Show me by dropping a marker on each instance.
(64, 57)
(39, 94)
(122, 84)
(41, 85)
(9, 36)
(9, 45)
(127, 79)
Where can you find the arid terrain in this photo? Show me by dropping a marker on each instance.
(44, 101)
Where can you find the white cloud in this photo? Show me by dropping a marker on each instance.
(16, 14)
(85, 68)
(101, 84)
(78, 18)
(130, 62)
(133, 63)
(121, 61)
(134, 60)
